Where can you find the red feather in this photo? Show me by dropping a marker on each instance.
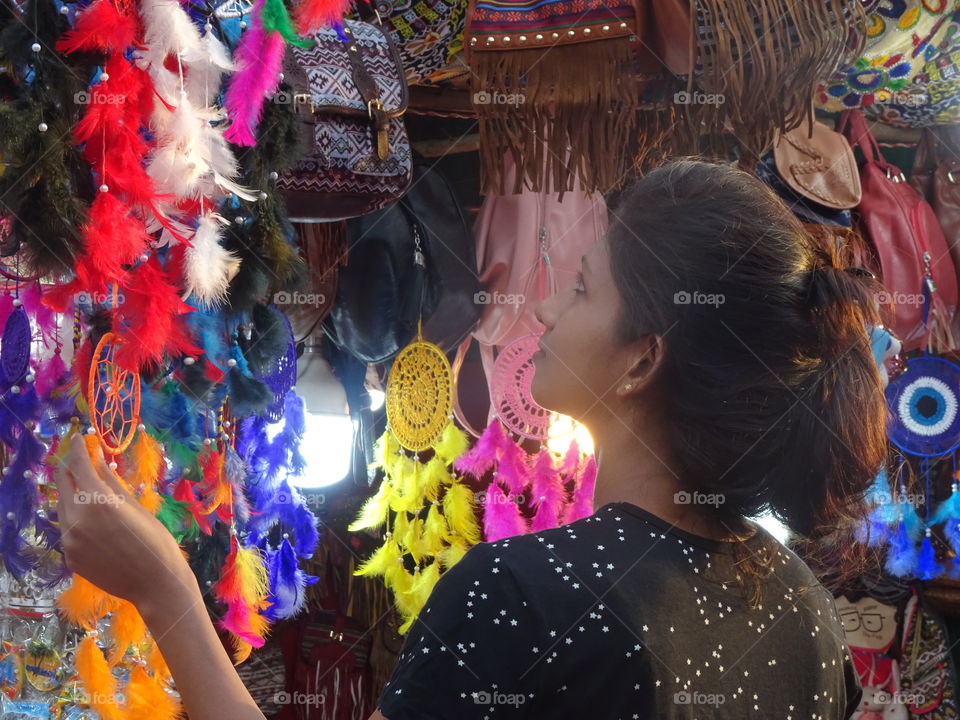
(311, 15)
(100, 27)
(149, 320)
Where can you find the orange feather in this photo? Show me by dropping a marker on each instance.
(83, 603)
(98, 683)
(127, 628)
(148, 699)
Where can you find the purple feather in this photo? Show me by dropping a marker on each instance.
(288, 583)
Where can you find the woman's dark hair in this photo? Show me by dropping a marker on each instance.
(768, 375)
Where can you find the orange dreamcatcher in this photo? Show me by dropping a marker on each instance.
(114, 400)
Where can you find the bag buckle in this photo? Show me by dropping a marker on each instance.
(371, 104)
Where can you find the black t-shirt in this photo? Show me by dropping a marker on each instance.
(622, 616)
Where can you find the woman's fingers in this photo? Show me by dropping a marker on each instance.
(107, 475)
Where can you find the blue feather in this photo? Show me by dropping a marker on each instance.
(949, 508)
(902, 553)
(927, 565)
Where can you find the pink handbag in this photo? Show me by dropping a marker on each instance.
(529, 246)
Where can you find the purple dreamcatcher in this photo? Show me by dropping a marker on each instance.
(282, 376)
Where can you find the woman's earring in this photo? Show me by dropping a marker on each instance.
(628, 387)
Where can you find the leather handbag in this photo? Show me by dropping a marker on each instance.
(914, 261)
(936, 176)
(410, 260)
(820, 167)
(351, 96)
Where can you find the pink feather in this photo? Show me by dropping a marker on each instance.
(483, 455)
(50, 375)
(547, 486)
(259, 58)
(501, 516)
(513, 469)
(6, 307)
(582, 504)
(571, 461)
(546, 517)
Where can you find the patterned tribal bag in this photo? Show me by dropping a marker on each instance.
(354, 97)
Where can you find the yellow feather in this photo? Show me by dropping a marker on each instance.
(412, 540)
(387, 452)
(241, 649)
(452, 554)
(423, 584)
(127, 628)
(252, 573)
(453, 444)
(458, 510)
(434, 530)
(434, 476)
(405, 481)
(375, 510)
(382, 558)
(98, 683)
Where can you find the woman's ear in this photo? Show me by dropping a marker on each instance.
(644, 358)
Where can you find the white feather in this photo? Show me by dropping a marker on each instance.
(208, 266)
(207, 66)
(168, 30)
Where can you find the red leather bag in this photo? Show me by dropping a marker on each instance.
(912, 256)
(936, 176)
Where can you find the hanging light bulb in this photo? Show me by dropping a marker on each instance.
(327, 444)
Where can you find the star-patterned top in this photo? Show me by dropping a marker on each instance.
(622, 616)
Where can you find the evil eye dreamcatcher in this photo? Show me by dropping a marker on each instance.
(925, 404)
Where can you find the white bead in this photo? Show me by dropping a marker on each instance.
(104, 188)
(15, 389)
(35, 47)
(280, 77)
(112, 465)
(231, 362)
(286, 536)
(30, 377)
(141, 427)
(5, 471)
(274, 175)
(238, 220)
(104, 77)
(91, 431)
(207, 441)
(10, 516)
(42, 127)
(262, 195)
(189, 360)
(208, 27)
(64, 10)
(16, 302)
(28, 474)
(243, 24)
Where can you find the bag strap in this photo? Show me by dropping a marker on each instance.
(370, 92)
(854, 127)
(926, 156)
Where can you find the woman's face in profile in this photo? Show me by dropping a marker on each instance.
(580, 361)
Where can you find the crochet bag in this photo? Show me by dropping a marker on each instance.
(353, 95)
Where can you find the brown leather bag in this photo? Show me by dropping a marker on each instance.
(821, 168)
(667, 36)
(936, 176)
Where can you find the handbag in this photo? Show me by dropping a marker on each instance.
(936, 177)
(820, 167)
(914, 261)
(351, 97)
(411, 260)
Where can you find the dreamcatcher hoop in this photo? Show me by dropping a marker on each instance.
(419, 396)
(15, 346)
(925, 404)
(114, 398)
(232, 9)
(282, 376)
(11, 263)
(510, 390)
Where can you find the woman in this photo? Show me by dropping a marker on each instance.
(720, 358)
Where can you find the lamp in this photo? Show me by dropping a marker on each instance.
(327, 443)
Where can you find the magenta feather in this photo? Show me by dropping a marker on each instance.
(51, 374)
(501, 516)
(547, 492)
(571, 461)
(582, 504)
(513, 469)
(484, 453)
(259, 59)
(6, 307)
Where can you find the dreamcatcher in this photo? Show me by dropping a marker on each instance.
(426, 512)
(924, 403)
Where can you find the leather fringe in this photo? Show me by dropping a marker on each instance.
(765, 63)
(564, 112)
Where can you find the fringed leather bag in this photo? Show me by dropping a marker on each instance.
(760, 62)
(553, 86)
